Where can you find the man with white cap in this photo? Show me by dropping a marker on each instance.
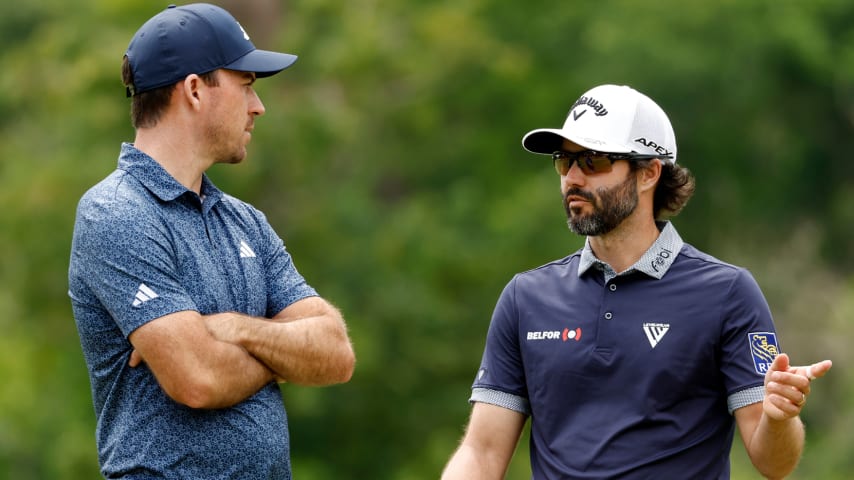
(188, 306)
(638, 355)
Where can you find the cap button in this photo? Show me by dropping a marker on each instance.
(172, 5)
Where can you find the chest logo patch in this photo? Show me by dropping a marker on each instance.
(763, 347)
(566, 334)
(655, 332)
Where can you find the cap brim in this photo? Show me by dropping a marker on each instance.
(549, 140)
(262, 62)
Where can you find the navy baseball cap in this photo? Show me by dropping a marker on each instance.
(196, 38)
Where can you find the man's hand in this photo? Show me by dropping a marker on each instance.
(787, 387)
(225, 327)
(135, 359)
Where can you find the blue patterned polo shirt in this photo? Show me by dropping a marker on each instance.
(144, 246)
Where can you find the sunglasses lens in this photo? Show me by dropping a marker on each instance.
(598, 164)
(562, 163)
(589, 162)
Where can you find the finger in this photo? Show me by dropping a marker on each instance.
(794, 394)
(135, 358)
(813, 371)
(781, 407)
(817, 370)
(780, 363)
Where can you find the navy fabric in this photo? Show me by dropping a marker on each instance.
(604, 401)
(144, 247)
(196, 38)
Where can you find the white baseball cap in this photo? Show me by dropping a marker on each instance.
(610, 119)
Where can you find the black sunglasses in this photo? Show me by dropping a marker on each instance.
(591, 161)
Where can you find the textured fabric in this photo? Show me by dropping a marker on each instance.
(144, 247)
(501, 399)
(634, 377)
(654, 262)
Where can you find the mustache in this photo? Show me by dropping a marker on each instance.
(577, 192)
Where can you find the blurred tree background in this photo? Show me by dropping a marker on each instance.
(390, 161)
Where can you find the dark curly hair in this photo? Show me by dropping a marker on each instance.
(675, 187)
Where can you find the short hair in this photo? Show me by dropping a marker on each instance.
(147, 107)
(675, 187)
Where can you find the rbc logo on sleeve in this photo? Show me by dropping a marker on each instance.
(763, 346)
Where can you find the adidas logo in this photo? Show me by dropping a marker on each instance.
(245, 251)
(655, 332)
(144, 294)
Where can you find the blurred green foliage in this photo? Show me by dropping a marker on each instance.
(389, 160)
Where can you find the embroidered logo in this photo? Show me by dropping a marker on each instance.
(245, 251)
(143, 294)
(566, 334)
(763, 347)
(598, 108)
(655, 332)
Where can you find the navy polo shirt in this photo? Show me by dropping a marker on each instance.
(144, 246)
(633, 375)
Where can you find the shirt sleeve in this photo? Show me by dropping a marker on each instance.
(749, 342)
(127, 262)
(501, 368)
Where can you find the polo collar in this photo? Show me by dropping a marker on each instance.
(654, 262)
(157, 180)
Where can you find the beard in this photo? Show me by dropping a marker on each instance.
(610, 207)
(224, 148)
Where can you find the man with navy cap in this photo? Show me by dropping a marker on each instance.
(637, 356)
(188, 306)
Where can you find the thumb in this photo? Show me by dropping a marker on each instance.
(780, 363)
(135, 358)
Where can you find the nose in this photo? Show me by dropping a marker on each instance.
(256, 106)
(574, 177)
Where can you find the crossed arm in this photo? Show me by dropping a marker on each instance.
(215, 361)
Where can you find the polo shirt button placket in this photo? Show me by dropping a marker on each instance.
(612, 287)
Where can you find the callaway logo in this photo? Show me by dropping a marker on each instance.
(565, 335)
(597, 107)
(650, 144)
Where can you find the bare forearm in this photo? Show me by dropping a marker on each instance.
(776, 446)
(233, 376)
(309, 351)
(467, 464)
(193, 367)
(488, 446)
(313, 350)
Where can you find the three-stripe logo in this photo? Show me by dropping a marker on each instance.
(143, 294)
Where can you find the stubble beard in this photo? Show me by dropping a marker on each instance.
(224, 151)
(610, 207)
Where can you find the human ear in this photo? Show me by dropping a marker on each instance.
(650, 174)
(190, 88)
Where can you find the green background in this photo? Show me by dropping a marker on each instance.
(390, 161)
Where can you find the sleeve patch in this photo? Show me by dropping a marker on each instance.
(763, 347)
